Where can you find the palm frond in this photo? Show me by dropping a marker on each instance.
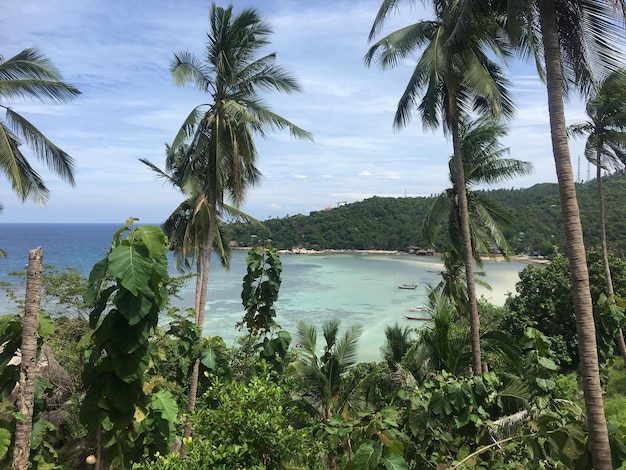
(54, 157)
(25, 181)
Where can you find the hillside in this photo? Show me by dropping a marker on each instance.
(395, 223)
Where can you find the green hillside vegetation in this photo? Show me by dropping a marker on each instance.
(384, 223)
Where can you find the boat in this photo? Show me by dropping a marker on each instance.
(420, 308)
(407, 286)
(411, 317)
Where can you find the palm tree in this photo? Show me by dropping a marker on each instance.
(322, 378)
(453, 285)
(397, 342)
(573, 41)
(442, 345)
(483, 163)
(606, 149)
(30, 74)
(30, 326)
(219, 135)
(456, 70)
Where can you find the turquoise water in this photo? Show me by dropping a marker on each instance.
(353, 287)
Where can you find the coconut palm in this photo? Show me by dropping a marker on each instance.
(219, 135)
(398, 340)
(484, 162)
(573, 42)
(30, 74)
(457, 74)
(453, 285)
(443, 345)
(324, 390)
(322, 377)
(605, 147)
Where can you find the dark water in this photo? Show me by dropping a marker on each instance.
(355, 288)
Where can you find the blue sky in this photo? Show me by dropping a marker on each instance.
(117, 52)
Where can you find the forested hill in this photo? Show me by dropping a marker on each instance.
(395, 223)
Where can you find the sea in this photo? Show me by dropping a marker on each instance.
(356, 288)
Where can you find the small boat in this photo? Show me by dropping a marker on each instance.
(420, 308)
(411, 317)
(407, 286)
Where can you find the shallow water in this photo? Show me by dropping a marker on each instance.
(356, 288)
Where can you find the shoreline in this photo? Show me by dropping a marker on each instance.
(497, 259)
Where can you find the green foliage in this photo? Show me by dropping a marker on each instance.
(260, 289)
(449, 417)
(135, 418)
(378, 441)
(386, 223)
(544, 301)
(539, 367)
(246, 425)
(259, 292)
(175, 350)
(11, 341)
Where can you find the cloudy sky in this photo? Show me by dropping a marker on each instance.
(117, 52)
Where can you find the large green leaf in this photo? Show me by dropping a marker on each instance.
(46, 325)
(40, 429)
(133, 307)
(367, 457)
(394, 462)
(5, 438)
(96, 277)
(131, 265)
(164, 402)
(129, 367)
(154, 239)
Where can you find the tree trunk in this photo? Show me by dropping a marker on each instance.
(598, 434)
(619, 337)
(468, 257)
(202, 282)
(30, 325)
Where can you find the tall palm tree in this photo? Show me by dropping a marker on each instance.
(30, 74)
(605, 147)
(219, 135)
(484, 162)
(458, 75)
(573, 42)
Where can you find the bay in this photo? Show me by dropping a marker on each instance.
(356, 288)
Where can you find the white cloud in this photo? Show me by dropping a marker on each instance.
(118, 53)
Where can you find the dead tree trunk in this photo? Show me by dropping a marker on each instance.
(30, 325)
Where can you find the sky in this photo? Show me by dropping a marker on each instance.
(118, 52)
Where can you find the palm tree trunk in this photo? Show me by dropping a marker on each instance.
(30, 325)
(619, 337)
(466, 238)
(202, 282)
(596, 422)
